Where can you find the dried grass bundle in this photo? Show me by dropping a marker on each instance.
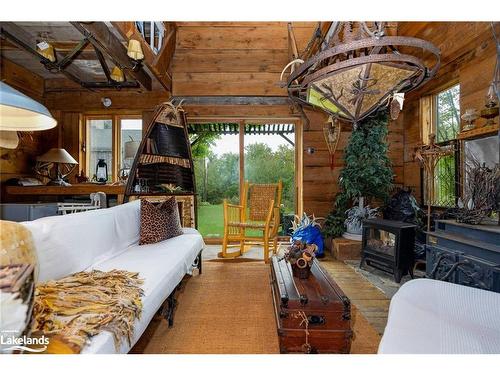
(73, 309)
(482, 193)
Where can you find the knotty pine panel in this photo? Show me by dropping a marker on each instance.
(228, 61)
(232, 84)
(245, 37)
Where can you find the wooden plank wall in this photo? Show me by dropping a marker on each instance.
(320, 181)
(468, 58)
(233, 58)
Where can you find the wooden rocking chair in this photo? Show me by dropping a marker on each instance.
(261, 202)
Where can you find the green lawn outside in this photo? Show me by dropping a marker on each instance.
(211, 221)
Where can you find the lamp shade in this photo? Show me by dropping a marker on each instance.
(117, 75)
(47, 52)
(134, 50)
(8, 139)
(19, 112)
(57, 155)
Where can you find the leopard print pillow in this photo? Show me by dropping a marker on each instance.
(159, 221)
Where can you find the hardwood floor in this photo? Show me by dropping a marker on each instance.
(369, 300)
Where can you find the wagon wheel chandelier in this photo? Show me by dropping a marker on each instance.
(362, 70)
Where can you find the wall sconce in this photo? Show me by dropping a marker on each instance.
(134, 51)
(117, 74)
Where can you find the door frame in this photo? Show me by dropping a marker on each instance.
(298, 138)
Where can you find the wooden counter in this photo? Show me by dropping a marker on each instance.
(76, 189)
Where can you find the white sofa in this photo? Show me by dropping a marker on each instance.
(436, 317)
(108, 239)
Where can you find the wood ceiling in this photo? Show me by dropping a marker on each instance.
(216, 58)
(211, 58)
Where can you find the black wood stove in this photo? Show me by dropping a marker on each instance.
(389, 246)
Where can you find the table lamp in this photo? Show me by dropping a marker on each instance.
(56, 164)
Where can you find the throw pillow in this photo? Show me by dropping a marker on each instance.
(159, 221)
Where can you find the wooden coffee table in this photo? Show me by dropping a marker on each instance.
(313, 315)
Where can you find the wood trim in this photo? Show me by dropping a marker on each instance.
(236, 119)
(233, 100)
(299, 168)
(241, 174)
(426, 118)
(480, 132)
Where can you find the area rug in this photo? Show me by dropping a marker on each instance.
(228, 310)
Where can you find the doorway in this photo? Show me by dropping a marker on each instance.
(225, 154)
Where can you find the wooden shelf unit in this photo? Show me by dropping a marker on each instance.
(478, 132)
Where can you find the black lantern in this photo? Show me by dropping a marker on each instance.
(101, 171)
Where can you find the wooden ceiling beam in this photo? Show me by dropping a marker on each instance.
(103, 63)
(16, 35)
(232, 100)
(60, 46)
(102, 38)
(159, 64)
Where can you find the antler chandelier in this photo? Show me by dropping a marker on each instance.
(361, 70)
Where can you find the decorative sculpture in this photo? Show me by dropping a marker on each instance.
(331, 132)
(428, 156)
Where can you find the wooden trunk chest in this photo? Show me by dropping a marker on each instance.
(313, 315)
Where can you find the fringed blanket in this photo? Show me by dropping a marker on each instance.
(73, 309)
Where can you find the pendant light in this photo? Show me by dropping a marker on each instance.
(19, 112)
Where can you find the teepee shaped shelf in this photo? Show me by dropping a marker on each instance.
(163, 165)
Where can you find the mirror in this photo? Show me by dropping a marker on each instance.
(485, 150)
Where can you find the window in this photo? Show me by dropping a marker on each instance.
(100, 145)
(114, 139)
(152, 32)
(447, 114)
(445, 125)
(130, 138)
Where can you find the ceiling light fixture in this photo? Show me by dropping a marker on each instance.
(134, 51)
(362, 70)
(46, 49)
(19, 112)
(117, 74)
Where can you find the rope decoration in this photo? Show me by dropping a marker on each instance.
(306, 347)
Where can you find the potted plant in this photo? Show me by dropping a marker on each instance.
(367, 173)
(333, 226)
(354, 221)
